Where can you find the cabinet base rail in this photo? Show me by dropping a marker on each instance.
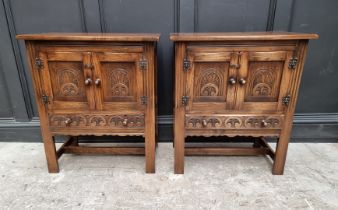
(260, 147)
(71, 146)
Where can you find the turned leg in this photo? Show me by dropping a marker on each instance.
(52, 160)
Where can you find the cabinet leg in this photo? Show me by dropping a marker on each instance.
(179, 153)
(150, 148)
(179, 141)
(52, 160)
(280, 156)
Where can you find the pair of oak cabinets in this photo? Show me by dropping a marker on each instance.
(226, 84)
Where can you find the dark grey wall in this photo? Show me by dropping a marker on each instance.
(317, 110)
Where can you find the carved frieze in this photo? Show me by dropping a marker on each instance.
(234, 122)
(97, 121)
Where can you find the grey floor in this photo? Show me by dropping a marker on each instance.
(119, 182)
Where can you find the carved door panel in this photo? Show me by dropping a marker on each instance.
(64, 76)
(119, 81)
(263, 81)
(209, 77)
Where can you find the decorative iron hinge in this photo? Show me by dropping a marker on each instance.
(286, 100)
(144, 100)
(293, 62)
(185, 100)
(186, 64)
(39, 63)
(143, 64)
(45, 99)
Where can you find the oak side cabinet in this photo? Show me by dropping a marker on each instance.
(237, 84)
(94, 84)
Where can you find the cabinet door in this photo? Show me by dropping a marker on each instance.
(63, 75)
(119, 81)
(263, 81)
(210, 85)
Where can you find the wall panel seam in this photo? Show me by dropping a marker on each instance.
(82, 16)
(271, 15)
(18, 58)
(102, 18)
(196, 26)
(177, 15)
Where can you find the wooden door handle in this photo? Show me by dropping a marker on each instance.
(88, 81)
(125, 122)
(232, 81)
(98, 82)
(68, 121)
(242, 81)
(204, 123)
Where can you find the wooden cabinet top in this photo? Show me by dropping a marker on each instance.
(238, 36)
(128, 37)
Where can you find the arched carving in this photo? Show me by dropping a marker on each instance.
(214, 122)
(256, 122)
(120, 81)
(97, 121)
(115, 121)
(57, 120)
(262, 83)
(209, 82)
(233, 122)
(194, 122)
(197, 122)
(68, 82)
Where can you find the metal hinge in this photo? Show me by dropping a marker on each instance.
(186, 64)
(143, 64)
(45, 99)
(39, 63)
(292, 63)
(286, 100)
(144, 100)
(185, 100)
